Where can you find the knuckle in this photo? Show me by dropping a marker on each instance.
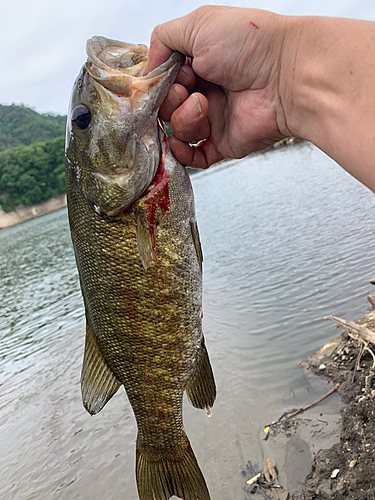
(155, 35)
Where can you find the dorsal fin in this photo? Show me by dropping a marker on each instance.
(98, 383)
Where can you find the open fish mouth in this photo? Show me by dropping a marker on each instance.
(115, 64)
(113, 138)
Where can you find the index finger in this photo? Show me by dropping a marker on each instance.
(169, 37)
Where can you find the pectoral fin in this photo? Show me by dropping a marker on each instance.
(197, 241)
(98, 383)
(145, 240)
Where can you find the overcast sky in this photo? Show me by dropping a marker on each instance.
(43, 41)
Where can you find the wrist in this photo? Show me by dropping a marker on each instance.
(326, 89)
(288, 116)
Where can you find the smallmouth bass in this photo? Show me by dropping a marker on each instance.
(136, 242)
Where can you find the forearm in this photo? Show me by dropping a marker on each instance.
(327, 87)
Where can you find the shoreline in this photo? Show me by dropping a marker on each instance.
(24, 213)
(343, 463)
(346, 470)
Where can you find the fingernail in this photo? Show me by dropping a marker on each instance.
(192, 108)
(176, 92)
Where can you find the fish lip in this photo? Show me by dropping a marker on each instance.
(120, 79)
(175, 58)
(97, 45)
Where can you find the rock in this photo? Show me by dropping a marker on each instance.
(335, 473)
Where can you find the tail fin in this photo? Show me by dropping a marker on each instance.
(160, 476)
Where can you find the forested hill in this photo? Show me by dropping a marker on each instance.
(22, 125)
(31, 156)
(31, 174)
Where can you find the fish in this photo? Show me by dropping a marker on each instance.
(139, 257)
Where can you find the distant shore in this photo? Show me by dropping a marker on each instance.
(23, 213)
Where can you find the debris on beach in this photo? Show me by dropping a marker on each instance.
(267, 480)
(347, 469)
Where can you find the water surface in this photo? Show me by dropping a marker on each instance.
(287, 239)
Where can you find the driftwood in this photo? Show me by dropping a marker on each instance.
(361, 331)
(268, 480)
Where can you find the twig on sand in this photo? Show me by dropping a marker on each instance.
(366, 348)
(304, 408)
(268, 479)
(358, 360)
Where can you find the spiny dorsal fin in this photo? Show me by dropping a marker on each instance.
(201, 389)
(197, 241)
(98, 383)
(145, 240)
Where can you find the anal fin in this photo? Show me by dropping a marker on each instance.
(201, 389)
(98, 383)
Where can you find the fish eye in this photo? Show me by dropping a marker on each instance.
(81, 116)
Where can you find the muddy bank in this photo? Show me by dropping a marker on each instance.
(342, 465)
(347, 469)
(23, 213)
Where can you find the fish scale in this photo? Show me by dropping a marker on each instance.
(140, 272)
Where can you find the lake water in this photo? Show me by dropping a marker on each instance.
(287, 239)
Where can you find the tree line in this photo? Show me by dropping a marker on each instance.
(20, 125)
(31, 174)
(31, 156)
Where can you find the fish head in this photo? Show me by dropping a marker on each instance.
(112, 138)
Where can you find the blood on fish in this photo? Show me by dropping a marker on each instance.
(159, 194)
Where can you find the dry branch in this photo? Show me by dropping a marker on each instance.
(358, 360)
(362, 332)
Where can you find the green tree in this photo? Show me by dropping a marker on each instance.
(31, 174)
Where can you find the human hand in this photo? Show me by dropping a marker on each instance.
(229, 98)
